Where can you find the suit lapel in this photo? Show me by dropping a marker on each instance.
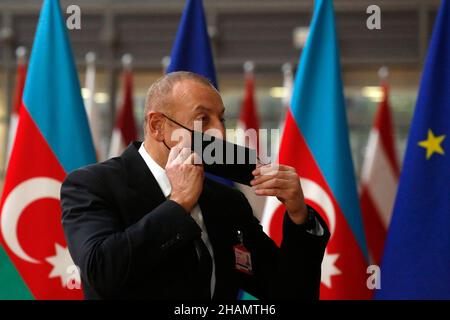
(144, 193)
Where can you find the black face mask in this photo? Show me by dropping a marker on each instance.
(222, 158)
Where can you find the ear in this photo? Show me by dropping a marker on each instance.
(155, 125)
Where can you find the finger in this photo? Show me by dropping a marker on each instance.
(268, 192)
(260, 179)
(269, 168)
(258, 169)
(283, 167)
(190, 159)
(173, 153)
(184, 154)
(185, 139)
(274, 183)
(287, 175)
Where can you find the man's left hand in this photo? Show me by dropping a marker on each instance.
(282, 182)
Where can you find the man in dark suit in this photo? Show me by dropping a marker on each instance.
(148, 224)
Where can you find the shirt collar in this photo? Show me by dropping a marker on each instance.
(158, 172)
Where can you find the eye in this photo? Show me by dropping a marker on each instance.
(222, 120)
(204, 119)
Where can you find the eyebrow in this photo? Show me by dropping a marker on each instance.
(203, 108)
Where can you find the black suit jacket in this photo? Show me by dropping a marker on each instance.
(130, 242)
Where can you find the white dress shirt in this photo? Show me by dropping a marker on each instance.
(196, 213)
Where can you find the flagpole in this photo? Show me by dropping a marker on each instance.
(165, 62)
(249, 67)
(21, 54)
(383, 74)
(127, 62)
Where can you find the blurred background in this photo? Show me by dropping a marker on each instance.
(268, 32)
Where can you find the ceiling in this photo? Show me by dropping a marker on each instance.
(240, 30)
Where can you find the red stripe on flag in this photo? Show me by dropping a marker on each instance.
(126, 122)
(385, 127)
(249, 115)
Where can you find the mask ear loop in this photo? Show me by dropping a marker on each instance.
(164, 141)
(178, 124)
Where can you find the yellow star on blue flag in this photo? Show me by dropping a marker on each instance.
(432, 144)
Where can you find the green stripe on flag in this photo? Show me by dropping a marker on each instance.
(244, 295)
(12, 286)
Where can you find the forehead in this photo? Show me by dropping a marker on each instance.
(191, 95)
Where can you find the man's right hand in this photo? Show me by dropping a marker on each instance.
(185, 178)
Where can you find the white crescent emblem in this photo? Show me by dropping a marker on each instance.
(312, 191)
(18, 199)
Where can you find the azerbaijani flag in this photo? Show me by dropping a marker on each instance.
(52, 139)
(315, 141)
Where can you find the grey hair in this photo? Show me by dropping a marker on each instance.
(160, 92)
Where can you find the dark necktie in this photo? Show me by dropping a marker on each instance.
(205, 269)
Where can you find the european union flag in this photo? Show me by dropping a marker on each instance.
(416, 263)
(192, 50)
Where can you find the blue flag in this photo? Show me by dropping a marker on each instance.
(416, 262)
(192, 50)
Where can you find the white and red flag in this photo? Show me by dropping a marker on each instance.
(124, 131)
(248, 134)
(92, 109)
(20, 83)
(379, 179)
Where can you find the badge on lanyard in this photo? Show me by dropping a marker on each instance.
(243, 257)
